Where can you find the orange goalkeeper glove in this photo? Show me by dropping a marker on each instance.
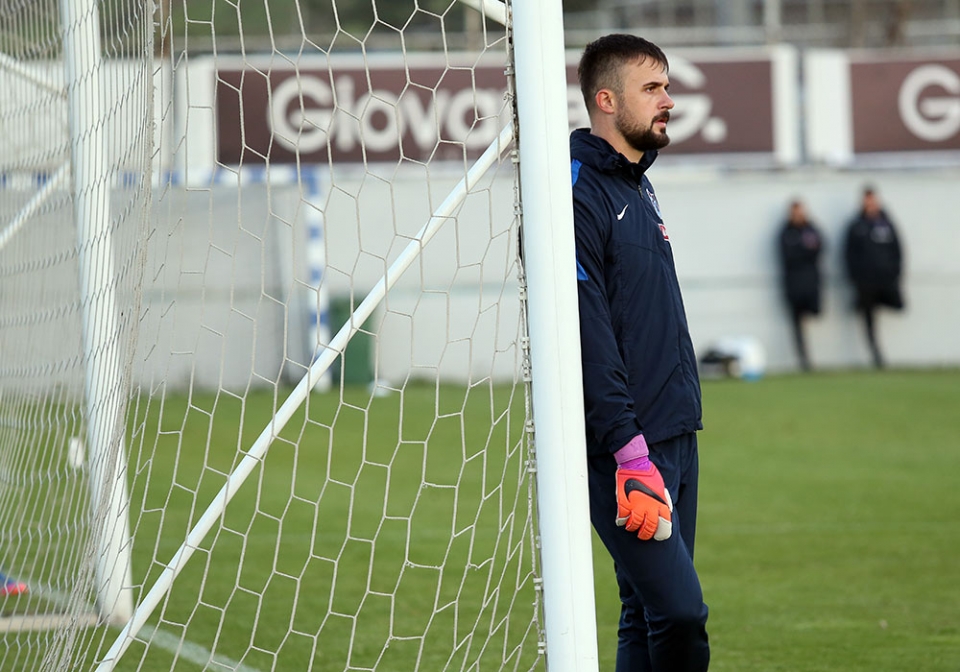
(644, 505)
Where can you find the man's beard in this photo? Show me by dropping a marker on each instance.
(640, 138)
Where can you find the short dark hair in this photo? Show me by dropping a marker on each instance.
(603, 58)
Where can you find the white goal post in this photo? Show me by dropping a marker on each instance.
(309, 357)
(102, 336)
(67, 175)
(546, 195)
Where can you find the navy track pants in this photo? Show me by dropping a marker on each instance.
(663, 617)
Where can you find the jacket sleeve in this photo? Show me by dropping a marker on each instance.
(608, 405)
(897, 249)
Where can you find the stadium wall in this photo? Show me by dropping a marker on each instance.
(740, 152)
(228, 306)
(229, 296)
(216, 304)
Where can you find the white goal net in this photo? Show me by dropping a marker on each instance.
(263, 401)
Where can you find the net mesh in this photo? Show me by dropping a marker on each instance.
(259, 207)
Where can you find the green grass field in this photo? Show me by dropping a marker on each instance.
(828, 533)
(371, 519)
(829, 528)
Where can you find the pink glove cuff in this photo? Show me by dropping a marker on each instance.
(634, 455)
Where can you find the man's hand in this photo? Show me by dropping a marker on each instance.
(644, 505)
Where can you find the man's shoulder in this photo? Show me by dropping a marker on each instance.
(584, 174)
(589, 182)
(887, 219)
(857, 225)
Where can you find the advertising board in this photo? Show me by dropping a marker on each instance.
(728, 104)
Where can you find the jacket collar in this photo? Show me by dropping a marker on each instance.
(600, 154)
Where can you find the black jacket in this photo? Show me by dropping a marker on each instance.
(639, 366)
(872, 252)
(800, 248)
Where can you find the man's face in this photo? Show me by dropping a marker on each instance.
(797, 214)
(645, 106)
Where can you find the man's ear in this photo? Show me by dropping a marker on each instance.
(606, 101)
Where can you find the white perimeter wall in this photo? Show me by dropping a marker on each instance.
(215, 300)
(227, 296)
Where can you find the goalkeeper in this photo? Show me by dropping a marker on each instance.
(641, 388)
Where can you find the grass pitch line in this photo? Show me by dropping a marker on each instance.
(182, 649)
(25, 622)
(189, 651)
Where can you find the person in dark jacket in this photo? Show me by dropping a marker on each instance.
(800, 248)
(874, 264)
(641, 388)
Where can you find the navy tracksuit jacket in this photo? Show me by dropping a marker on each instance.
(639, 367)
(639, 374)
